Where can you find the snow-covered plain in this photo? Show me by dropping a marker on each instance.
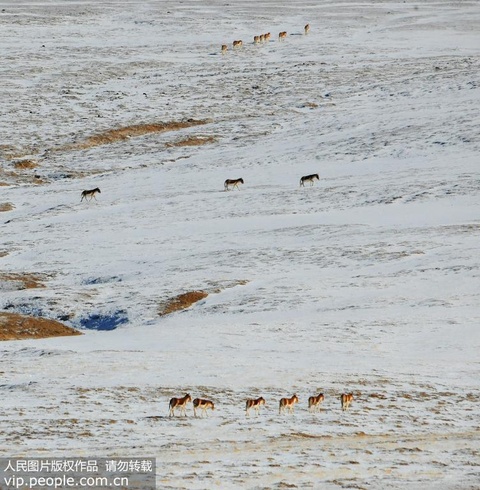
(366, 282)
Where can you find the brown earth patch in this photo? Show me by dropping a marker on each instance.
(185, 300)
(120, 134)
(181, 302)
(10, 152)
(192, 141)
(23, 281)
(14, 326)
(6, 206)
(25, 164)
(303, 435)
(19, 177)
(309, 105)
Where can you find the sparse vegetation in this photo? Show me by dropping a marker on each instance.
(21, 281)
(6, 206)
(192, 141)
(115, 135)
(14, 326)
(181, 302)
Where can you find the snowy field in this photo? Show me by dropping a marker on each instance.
(367, 282)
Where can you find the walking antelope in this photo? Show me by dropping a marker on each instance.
(267, 36)
(232, 182)
(202, 404)
(256, 39)
(224, 48)
(282, 35)
(315, 401)
(287, 403)
(237, 44)
(307, 28)
(180, 403)
(90, 193)
(255, 404)
(346, 399)
(308, 178)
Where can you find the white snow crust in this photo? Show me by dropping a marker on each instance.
(366, 282)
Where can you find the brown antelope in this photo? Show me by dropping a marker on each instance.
(232, 182)
(261, 38)
(287, 403)
(224, 48)
(282, 35)
(308, 178)
(180, 403)
(202, 404)
(307, 28)
(91, 194)
(255, 404)
(346, 399)
(315, 401)
(267, 36)
(237, 44)
(256, 39)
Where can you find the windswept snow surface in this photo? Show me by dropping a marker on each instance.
(366, 282)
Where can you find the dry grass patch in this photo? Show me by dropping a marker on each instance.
(192, 141)
(6, 206)
(19, 177)
(18, 281)
(185, 300)
(11, 152)
(14, 326)
(181, 302)
(120, 134)
(25, 164)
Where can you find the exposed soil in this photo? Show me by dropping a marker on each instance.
(119, 134)
(185, 300)
(21, 176)
(14, 326)
(6, 206)
(25, 164)
(181, 302)
(192, 141)
(22, 281)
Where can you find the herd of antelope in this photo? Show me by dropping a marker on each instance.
(233, 183)
(229, 183)
(285, 404)
(262, 38)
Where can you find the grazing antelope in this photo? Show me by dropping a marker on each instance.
(282, 35)
(287, 403)
(307, 28)
(315, 401)
(255, 404)
(203, 404)
(232, 182)
(224, 48)
(346, 399)
(91, 193)
(180, 403)
(237, 44)
(308, 178)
